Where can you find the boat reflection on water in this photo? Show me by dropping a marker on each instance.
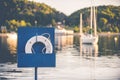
(62, 41)
(88, 50)
(8, 44)
(12, 42)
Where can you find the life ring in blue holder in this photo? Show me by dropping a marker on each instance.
(38, 38)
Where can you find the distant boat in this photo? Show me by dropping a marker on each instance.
(62, 31)
(89, 38)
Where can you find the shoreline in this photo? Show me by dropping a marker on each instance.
(75, 34)
(107, 33)
(102, 34)
(3, 34)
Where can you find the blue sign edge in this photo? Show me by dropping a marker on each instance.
(37, 60)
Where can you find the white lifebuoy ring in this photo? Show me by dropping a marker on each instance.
(42, 39)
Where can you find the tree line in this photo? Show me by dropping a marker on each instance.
(16, 13)
(108, 18)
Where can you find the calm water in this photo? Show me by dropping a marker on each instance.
(75, 61)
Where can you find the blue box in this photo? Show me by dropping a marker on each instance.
(36, 47)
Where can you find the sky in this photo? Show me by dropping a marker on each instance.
(69, 6)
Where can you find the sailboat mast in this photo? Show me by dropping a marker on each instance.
(91, 18)
(80, 23)
(95, 28)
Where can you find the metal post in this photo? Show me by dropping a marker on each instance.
(35, 73)
(35, 23)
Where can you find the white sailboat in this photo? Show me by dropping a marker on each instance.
(89, 38)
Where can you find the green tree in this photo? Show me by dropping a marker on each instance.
(76, 29)
(53, 22)
(104, 20)
(116, 29)
(23, 23)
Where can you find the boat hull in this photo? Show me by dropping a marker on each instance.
(89, 39)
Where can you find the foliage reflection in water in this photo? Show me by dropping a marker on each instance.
(74, 60)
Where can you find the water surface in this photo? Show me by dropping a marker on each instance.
(74, 61)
